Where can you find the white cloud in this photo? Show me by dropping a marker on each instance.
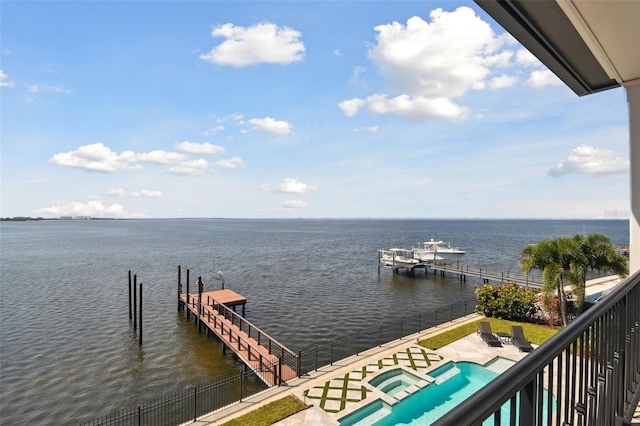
(36, 181)
(355, 79)
(350, 107)
(431, 63)
(587, 160)
(44, 88)
(372, 129)
(4, 80)
(269, 125)
(289, 185)
(260, 43)
(212, 131)
(293, 204)
(34, 91)
(446, 57)
(160, 157)
(543, 78)
(527, 59)
(119, 192)
(93, 208)
(418, 107)
(232, 163)
(94, 157)
(199, 148)
(292, 185)
(190, 168)
(337, 52)
(502, 81)
(100, 158)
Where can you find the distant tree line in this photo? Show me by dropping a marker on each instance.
(21, 219)
(29, 218)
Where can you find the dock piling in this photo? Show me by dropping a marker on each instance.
(199, 302)
(135, 308)
(140, 331)
(188, 311)
(130, 318)
(179, 286)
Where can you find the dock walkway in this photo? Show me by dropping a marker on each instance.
(270, 360)
(486, 274)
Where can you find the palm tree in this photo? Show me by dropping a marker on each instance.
(601, 256)
(566, 260)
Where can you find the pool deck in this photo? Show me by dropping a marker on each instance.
(344, 376)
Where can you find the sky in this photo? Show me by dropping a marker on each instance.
(274, 109)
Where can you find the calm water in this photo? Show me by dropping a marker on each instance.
(68, 353)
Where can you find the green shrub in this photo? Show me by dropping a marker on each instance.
(509, 301)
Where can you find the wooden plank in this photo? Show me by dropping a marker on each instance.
(226, 297)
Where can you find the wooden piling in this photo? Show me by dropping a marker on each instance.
(140, 330)
(130, 318)
(179, 286)
(188, 311)
(199, 302)
(135, 309)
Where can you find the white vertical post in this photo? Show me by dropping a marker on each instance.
(633, 99)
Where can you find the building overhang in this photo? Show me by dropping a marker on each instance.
(591, 45)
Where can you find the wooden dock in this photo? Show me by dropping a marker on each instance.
(486, 274)
(215, 310)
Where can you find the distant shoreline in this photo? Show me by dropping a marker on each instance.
(85, 218)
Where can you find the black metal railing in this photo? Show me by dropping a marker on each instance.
(188, 405)
(262, 338)
(320, 355)
(587, 374)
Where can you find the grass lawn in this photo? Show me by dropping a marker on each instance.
(536, 334)
(270, 413)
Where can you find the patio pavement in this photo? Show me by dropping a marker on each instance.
(335, 390)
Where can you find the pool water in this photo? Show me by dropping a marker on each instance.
(454, 382)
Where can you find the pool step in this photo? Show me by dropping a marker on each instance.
(368, 415)
(451, 372)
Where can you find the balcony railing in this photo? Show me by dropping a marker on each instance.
(587, 374)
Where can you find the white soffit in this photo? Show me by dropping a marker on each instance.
(611, 30)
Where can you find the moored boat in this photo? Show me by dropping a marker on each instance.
(398, 258)
(437, 251)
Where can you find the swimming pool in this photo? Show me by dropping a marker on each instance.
(453, 383)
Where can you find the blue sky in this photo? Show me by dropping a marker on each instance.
(295, 109)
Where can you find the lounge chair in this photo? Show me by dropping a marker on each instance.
(487, 335)
(518, 339)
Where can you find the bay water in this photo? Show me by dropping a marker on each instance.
(68, 352)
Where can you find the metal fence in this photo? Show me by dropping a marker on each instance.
(587, 374)
(319, 355)
(188, 405)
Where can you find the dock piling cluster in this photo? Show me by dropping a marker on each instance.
(135, 314)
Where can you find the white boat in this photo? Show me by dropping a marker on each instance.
(437, 251)
(398, 258)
